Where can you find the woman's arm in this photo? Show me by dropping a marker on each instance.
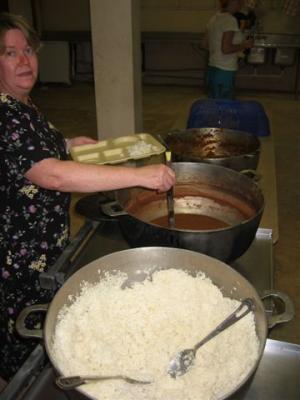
(71, 176)
(228, 47)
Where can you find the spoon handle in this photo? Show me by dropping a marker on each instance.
(71, 382)
(230, 320)
(170, 194)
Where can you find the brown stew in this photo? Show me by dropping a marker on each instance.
(191, 222)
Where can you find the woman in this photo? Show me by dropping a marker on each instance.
(224, 42)
(36, 179)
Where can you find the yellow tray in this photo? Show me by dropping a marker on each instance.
(114, 151)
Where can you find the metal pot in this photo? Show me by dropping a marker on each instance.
(226, 147)
(132, 261)
(202, 189)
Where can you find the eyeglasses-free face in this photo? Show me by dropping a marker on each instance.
(18, 65)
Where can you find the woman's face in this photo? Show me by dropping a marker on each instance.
(18, 65)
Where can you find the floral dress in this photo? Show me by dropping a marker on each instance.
(34, 222)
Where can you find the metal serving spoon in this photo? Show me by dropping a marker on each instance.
(170, 194)
(71, 382)
(182, 361)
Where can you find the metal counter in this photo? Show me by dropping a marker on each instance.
(277, 41)
(277, 377)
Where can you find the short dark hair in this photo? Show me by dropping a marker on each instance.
(11, 21)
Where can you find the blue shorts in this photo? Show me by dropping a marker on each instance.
(220, 83)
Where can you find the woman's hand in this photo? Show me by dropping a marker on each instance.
(158, 177)
(79, 141)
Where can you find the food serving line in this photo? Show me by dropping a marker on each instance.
(277, 374)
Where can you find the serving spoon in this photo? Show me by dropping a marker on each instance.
(170, 194)
(183, 360)
(71, 382)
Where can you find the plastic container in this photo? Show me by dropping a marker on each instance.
(121, 149)
(245, 116)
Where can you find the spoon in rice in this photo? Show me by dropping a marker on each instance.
(183, 360)
(71, 382)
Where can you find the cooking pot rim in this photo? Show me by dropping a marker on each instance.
(214, 131)
(220, 159)
(240, 175)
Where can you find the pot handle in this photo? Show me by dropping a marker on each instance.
(113, 209)
(20, 322)
(289, 310)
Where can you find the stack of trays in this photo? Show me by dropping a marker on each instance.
(114, 151)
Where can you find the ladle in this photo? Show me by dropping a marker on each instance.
(183, 360)
(170, 195)
(71, 382)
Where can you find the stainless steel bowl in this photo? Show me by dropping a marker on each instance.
(133, 261)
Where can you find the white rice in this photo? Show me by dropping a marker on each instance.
(109, 330)
(141, 148)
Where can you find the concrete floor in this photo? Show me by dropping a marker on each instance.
(72, 110)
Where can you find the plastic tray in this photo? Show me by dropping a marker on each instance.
(114, 151)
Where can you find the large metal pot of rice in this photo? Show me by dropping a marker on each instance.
(137, 263)
(220, 146)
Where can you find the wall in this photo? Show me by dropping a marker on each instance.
(192, 16)
(66, 15)
(276, 22)
(156, 15)
(22, 7)
(176, 15)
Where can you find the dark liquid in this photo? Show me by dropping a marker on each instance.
(192, 222)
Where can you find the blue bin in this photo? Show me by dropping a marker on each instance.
(248, 116)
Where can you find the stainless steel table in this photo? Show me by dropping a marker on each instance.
(278, 374)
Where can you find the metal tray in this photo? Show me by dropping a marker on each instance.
(118, 150)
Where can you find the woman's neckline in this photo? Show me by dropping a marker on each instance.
(28, 102)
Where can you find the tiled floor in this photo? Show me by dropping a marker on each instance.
(72, 110)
